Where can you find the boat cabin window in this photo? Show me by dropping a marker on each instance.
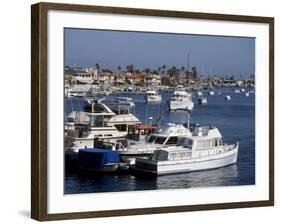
(172, 141)
(99, 109)
(179, 155)
(121, 127)
(179, 96)
(217, 142)
(70, 119)
(160, 155)
(180, 142)
(151, 139)
(208, 143)
(189, 143)
(160, 140)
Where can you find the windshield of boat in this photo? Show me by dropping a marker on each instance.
(180, 142)
(160, 140)
(157, 140)
(179, 95)
(172, 141)
(99, 108)
(151, 139)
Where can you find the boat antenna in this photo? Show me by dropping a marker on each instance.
(188, 62)
(162, 113)
(188, 119)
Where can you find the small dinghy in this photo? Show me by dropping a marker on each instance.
(227, 97)
(211, 93)
(202, 100)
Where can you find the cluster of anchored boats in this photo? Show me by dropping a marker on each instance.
(106, 137)
(179, 100)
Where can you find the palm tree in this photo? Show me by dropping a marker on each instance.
(172, 72)
(119, 68)
(98, 66)
(187, 74)
(147, 70)
(156, 72)
(130, 68)
(194, 72)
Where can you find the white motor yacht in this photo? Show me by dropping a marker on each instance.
(102, 124)
(181, 100)
(164, 136)
(127, 100)
(152, 96)
(201, 151)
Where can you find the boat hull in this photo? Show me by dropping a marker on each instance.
(153, 99)
(175, 105)
(190, 165)
(106, 169)
(202, 101)
(98, 160)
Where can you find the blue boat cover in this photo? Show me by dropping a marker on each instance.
(94, 158)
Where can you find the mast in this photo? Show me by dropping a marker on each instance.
(188, 62)
(188, 120)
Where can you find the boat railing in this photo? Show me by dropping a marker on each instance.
(180, 155)
(218, 150)
(202, 153)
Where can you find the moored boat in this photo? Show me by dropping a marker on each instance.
(99, 123)
(211, 93)
(199, 93)
(181, 100)
(201, 151)
(202, 100)
(127, 100)
(227, 97)
(152, 96)
(166, 135)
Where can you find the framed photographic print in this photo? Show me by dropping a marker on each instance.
(139, 111)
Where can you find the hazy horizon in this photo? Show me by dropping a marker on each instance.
(214, 54)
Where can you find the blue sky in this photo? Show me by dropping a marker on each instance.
(215, 54)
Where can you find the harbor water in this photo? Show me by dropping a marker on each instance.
(234, 118)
